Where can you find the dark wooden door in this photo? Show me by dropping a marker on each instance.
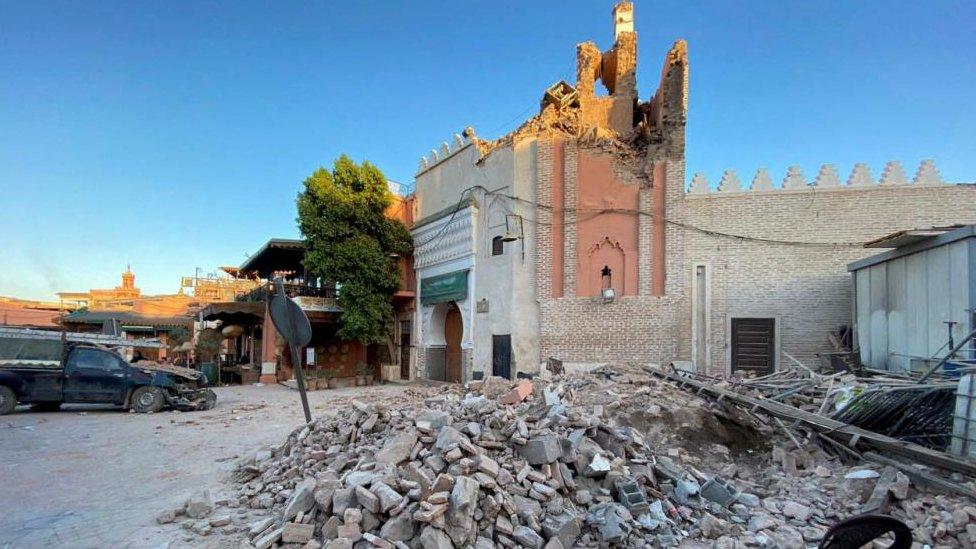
(405, 349)
(453, 329)
(501, 356)
(753, 345)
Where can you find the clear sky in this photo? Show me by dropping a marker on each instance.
(174, 135)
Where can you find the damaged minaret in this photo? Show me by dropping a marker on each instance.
(616, 69)
(661, 120)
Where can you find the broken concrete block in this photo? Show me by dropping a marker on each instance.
(432, 420)
(712, 527)
(798, 511)
(351, 532)
(367, 499)
(397, 449)
(630, 495)
(447, 438)
(539, 450)
(611, 520)
(342, 499)
(399, 528)
(267, 540)
(564, 526)
(720, 491)
(340, 543)
(527, 537)
(377, 541)
(302, 499)
(222, 520)
(256, 528)
(433, 538)
(297, 533)
(388, 497)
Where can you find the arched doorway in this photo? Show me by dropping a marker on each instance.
(453, 331)
(443, 341)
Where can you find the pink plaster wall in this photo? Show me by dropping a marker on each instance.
(607, 238)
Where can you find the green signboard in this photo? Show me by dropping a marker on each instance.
(446, 287)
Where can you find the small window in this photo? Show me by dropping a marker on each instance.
(497, 246)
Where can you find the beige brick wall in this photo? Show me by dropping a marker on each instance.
(806, 288)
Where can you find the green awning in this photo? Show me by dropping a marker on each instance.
(446, 287)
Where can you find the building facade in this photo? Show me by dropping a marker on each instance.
(623, 261)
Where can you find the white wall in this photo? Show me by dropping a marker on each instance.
(507, 281)
(902, 305)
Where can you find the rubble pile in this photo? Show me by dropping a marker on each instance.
(608, 459)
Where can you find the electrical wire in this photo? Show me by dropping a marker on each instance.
(596, 212)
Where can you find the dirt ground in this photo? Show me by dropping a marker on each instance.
(97, 476)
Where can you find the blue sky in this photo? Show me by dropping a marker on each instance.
(175, 135)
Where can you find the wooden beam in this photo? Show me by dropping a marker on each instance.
(850, 435)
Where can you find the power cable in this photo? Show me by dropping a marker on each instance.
(596, 212)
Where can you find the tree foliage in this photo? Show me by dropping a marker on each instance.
(351, 241)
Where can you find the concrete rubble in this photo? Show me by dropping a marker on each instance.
(610, 458)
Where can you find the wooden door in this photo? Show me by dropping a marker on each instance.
(453, 329)
(753, 345)
(405, 349)
(501, 356)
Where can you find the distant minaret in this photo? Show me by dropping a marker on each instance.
(128, 279)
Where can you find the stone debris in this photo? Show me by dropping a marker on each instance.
(584, 460)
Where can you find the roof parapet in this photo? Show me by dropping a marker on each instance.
(827, 178)
(446, 150)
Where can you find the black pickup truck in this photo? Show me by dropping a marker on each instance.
(46, 373)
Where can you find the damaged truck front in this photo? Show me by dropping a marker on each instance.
(46, 370)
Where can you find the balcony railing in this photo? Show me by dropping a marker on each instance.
(293, 289)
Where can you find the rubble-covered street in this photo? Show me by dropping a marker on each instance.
(615, 457)
(106, 473)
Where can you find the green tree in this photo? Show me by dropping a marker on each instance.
(351, 241)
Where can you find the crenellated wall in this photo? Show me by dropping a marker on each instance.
(782, 252)
(794, 179)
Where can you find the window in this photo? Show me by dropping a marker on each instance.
(96, 359)
(497, 246)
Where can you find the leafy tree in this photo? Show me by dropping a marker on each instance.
(350, 241)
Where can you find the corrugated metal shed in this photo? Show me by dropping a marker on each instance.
(905, 296)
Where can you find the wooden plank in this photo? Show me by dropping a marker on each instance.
(847, 433)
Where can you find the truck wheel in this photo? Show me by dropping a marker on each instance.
(46, 407)
(148, 399)
(8, 400)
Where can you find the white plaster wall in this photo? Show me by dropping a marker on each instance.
(440, 186)
(507, 281)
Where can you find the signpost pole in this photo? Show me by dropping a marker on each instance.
(296, 353)
(293, 325)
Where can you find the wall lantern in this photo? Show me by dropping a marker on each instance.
(607, 291)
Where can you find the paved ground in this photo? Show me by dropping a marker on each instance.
(97, 477)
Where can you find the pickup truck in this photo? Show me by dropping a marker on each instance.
(48, 372)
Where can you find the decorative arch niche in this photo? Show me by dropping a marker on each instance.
(604, 253)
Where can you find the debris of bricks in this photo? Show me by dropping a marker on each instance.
(609, 458)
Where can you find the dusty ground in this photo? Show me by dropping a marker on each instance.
(97, 477)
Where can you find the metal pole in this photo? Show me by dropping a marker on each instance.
(952, 353)
(300, 377)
